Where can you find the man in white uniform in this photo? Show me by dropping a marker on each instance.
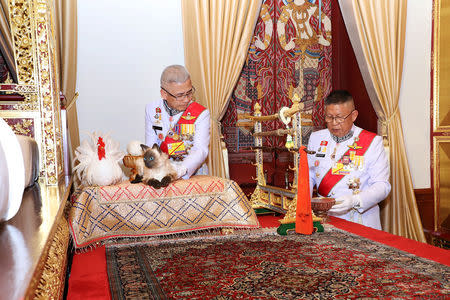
(179, 125)
(349, 163)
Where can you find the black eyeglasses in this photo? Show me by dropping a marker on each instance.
(180, 97)
(338, 120)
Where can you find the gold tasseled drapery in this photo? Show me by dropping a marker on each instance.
(377, 33)
(66, 53)
(217, 34)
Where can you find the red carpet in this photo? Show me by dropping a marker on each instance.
(420, 249)
(326, 265)
(89, 280)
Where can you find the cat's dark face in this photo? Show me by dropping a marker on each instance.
(152, 156)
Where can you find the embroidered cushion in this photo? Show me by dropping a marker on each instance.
(126, 210)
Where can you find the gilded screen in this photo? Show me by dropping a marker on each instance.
(442, 67)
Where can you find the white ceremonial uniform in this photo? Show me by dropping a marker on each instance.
(373, 174)
(158, 124)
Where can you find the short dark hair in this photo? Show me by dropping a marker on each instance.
(339, 97)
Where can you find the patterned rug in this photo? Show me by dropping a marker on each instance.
(332, 264)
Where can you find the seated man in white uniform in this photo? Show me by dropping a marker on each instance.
(179, 125)
(349, 163)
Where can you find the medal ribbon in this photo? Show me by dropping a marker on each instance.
(330, 180)
(189, 116)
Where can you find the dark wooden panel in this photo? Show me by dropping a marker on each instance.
(11, 98)
(425, 205)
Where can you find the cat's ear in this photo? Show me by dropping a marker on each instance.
(144, 147)
(156, 147)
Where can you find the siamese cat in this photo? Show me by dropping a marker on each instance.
(155, 168)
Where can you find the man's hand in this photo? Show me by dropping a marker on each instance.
(344, 204)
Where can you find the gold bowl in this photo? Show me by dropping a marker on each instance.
(321, 205)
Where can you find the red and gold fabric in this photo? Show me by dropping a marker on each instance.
(357, 150)
(174, 142)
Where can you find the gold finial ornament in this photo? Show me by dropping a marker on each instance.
(257, 108)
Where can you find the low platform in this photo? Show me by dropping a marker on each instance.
(108, 213)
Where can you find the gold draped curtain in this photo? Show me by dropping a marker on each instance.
(6, 43)
(377, 34)
(217, 34)
(66, 53)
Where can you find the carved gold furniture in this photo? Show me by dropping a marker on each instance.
(34, 243)
(440, 133)
(282, 200)
(38, 116)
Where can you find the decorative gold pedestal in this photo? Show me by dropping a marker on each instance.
(271, 197)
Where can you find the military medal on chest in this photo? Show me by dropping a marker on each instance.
(157, 115)
(355, 146)
(316, 164)
(333, 155)
(187, 130)
(356, 160)
(177, 147)
(354, 184)
(157, 124)
(322, 149)
(188, 117)
(175, 132)
(348, 162)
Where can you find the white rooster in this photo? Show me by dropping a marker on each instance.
(98, 161)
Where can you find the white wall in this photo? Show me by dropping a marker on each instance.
(415, 91)
(123, 46)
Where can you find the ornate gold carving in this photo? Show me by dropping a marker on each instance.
(49, 273)
(21, 125)
(270, 197)
(289, 217)
(254, 198)
(49, 95)
(441, 173)
(34, 49)
(22, 29)
(8, 79)
(440, 158)
(441, 74)
(31, 103)
(24, 127)
(50, 283)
